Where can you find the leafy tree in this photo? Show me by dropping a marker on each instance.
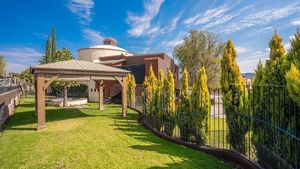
(28, 78)
(200, 107)
(199, 49)
(184, 118)
(63, 86)
(2, 65)
(234, 98)
(131, 90)
(170, 114)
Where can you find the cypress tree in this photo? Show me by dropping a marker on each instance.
(2, 65)
(53, 44)
(200, 107)
(234, 98)
(274, 79)
(293, 83)
(184, 118)
(150, 83)
(292, 75)
(48, 58)
(258, 101)
(274, 64)
(131, 90)
(160, 99)
(170, 116)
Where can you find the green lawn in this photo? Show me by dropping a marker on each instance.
(218, 132)
(89, 138)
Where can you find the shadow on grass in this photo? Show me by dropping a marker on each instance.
(25, 118)
(190, 158)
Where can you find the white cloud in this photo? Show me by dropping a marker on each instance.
(296, 22)
(175, 40)
(258, 31)
(40, 35)
(292, 37)
(287, 46)
(215, 16)
(250, 62)
(192, 19)
(28, 56)
(82, 9)
(141, 24)
(19, 58)
(146, 50)
(207, 16)
(241, 50)
(14, 67)
(93, 36)
(263, 17)
(174, 22)
(173, 43)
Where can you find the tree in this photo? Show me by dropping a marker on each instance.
(234, 98)
(150, 83)
(2, 65)
(50, 49)
(48, 55)
(184, 118)
(53, 44)
(293, 83)
(159, 95)
(28, 78)
(199, 49)
(258, 101)
(170, 114)
(292, 75)
(131, 90)
(200, 107)
(63, 86)
(273, 73)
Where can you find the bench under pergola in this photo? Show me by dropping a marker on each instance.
(74, 70)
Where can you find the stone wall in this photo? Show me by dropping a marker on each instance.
(8, 103)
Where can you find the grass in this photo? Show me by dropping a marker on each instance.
(89, 138)
(218, 132)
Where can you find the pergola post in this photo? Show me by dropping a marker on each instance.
(124, 97)
(101, 107)
(40, 100)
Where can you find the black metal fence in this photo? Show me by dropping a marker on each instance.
(265, 129)
(4, 89)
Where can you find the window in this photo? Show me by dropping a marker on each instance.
(137, 70)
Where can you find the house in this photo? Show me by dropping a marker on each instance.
(111, 55)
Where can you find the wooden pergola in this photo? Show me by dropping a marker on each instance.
(74, 70)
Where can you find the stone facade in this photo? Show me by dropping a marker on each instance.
(8, 102)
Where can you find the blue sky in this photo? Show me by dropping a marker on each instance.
(148, 26)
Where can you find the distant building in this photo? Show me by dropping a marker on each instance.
(248, 79)
(138, 64)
